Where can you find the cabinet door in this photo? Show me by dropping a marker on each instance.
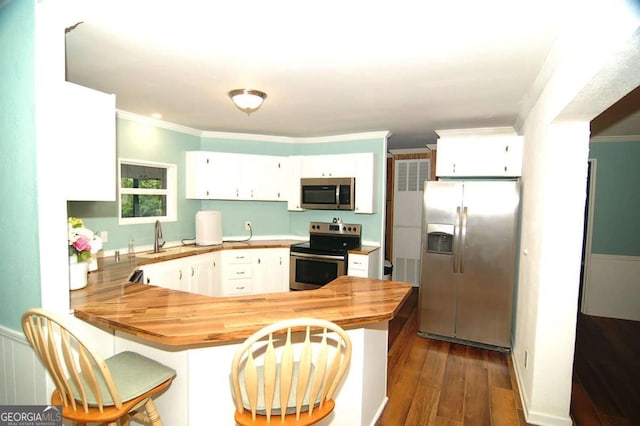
(202, 271)
(366, 182)
(332, 165)
(198, 180)
(358, 265)
(262, 178)
(364, 265)
(89, 122)
(169, 274)
(271, 271)
(482, 156)
(225, 173)
(294, 175)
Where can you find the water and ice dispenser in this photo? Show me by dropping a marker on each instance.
(439, 238)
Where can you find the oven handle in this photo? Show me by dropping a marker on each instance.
(318, 256)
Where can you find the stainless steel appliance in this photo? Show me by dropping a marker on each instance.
(468, 261)
(323, 258)
(329, 193)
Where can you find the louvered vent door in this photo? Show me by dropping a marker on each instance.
(407, 218)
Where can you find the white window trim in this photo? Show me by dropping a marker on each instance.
(171, 192)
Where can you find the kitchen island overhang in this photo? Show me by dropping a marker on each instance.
(198, 335)
(176, 318)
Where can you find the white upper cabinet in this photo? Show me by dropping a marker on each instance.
(199, 175)
(362, 166)
(495, 152)
(366, 182)
(336, 165)
(263, 178)
(88, 120)
(294, 174)
(231, 176)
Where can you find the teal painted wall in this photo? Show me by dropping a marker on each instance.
(143, 141)
(616, 230)
(147, 142)
(19, 247)
(371, 223)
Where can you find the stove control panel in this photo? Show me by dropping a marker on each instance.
(335, 228)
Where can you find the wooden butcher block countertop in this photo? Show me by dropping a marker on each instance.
(186, 320)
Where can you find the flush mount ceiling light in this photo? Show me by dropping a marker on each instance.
(247, 100)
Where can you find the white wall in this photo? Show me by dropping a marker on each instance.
(588, 70)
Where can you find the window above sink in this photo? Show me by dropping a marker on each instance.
(147, 192)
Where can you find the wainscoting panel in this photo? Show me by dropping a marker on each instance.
(613, 287)
(22, 377)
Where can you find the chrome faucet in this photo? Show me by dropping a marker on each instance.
(157, 245)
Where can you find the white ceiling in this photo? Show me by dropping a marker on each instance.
(329, 67)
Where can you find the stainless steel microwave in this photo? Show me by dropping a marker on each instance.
(330, 193)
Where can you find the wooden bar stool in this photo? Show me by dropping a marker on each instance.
(297, 371)
(90, 389)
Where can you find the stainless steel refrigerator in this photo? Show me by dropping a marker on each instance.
(468, 261)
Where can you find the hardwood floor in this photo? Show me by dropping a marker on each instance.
(606, 372)
(432, 382)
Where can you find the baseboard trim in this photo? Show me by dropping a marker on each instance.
(379, 411)
(535, 417)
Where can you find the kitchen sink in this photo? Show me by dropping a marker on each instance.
(166, 252)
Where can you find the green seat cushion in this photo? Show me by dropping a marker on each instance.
(275, 408)
(133, 375)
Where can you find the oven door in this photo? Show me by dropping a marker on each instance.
(311, 271)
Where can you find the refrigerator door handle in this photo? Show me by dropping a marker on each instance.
(463, 239)
(456, 239)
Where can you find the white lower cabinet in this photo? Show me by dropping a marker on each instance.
(237, 272)
(224, 273)
(364, 266)
(255, 271)
(196, 274)
(205, 273)
(271, 271)
(168, 274)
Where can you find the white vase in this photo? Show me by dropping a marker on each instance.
(78, 275)
(93, 263)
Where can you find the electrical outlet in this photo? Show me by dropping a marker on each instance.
(247, 225)
(104, 236)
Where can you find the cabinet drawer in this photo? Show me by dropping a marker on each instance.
(236, 287)
(236, 258)
(238, 271)
(359, 264)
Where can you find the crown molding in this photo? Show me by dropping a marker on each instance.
(288, 139)
(250, 136)
(427, 149)
(628, 138)
(483, 131)
(246, 137)
(158, 123)
(345, 137)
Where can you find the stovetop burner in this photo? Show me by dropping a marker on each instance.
(330, 238)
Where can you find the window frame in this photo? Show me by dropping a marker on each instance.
(171, 192)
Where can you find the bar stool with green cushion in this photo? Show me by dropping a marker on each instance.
(92, 389)
(297, 364)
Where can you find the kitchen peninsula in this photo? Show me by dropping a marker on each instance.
(198, 335)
